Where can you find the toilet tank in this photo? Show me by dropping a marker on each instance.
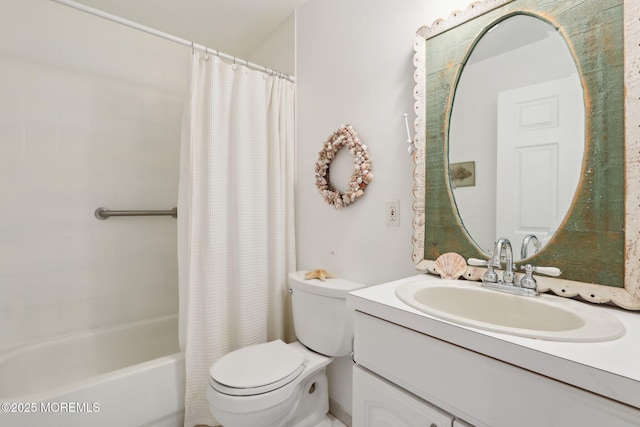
(320, 316)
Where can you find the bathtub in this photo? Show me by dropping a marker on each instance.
(131, 375)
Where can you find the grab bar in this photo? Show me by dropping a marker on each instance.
(104, 213)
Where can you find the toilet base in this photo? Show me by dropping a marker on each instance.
(312, 408)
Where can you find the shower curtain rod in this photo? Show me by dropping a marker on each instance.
(170, 37)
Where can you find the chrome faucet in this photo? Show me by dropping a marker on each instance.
(502, 252)
(525, 245)
(504, 245)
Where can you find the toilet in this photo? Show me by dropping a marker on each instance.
(285, 385)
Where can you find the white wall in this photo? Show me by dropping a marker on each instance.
(278, 50)
(90, 116)
(354, 65)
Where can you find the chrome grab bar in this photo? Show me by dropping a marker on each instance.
(104, 213)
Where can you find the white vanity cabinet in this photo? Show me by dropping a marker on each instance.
(399, 370)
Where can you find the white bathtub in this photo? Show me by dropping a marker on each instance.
(131, 375)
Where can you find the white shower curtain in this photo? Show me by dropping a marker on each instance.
(236, 240)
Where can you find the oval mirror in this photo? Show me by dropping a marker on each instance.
(516, 135)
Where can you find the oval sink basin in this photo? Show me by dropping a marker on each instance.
(545, 317)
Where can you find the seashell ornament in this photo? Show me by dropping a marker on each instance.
(319, 274)
(450, 266)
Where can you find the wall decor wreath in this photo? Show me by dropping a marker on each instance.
(345, 136)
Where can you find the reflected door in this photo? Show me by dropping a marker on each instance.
(539, 148)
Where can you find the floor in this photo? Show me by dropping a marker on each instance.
(336, 422)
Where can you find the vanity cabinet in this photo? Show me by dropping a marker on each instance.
(398, 370)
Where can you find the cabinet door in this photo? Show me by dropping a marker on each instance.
(377, 403)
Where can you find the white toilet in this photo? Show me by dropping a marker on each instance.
(285, 385)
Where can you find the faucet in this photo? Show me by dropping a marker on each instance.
(525, 245)
(526, 286)
(504, 245)
(503, 252)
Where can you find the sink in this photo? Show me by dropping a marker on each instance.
(545, 317)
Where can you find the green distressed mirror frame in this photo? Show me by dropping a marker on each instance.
(597, 246)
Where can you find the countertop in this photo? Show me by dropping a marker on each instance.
(610, 369)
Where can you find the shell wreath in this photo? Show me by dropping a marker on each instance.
(345, 136)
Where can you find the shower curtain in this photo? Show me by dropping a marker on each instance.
(236, 241)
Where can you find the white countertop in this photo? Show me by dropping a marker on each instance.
(611, 368)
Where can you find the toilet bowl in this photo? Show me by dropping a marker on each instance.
(285, 385)
(290, 378)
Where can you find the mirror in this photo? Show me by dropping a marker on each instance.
(516, 135)
(597, 243)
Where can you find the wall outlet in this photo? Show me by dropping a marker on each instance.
(392, 212)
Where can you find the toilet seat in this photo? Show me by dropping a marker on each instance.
(256, 369)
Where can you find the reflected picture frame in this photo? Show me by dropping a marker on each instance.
(462, 174)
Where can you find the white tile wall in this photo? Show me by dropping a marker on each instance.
(90, 116)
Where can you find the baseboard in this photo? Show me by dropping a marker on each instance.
(340, 413)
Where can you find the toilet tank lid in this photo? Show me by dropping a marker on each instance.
(335, 288)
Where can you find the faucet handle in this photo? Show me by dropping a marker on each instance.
(529, 282)
(490, 275)
(547, 271)
(478, 262)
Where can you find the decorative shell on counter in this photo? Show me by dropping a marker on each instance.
(450, 266)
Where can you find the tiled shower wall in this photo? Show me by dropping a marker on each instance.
(90, 115)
